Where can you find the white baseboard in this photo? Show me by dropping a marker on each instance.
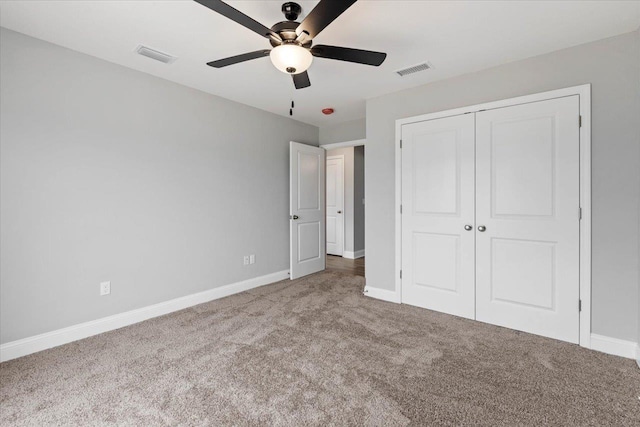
(19, 348)
(614, 346)
(353, 255)
(382, 294)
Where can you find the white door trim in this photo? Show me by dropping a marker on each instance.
(345, 144)
(584, 92)
(344, 222)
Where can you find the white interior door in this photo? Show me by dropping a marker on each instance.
(307, 205)
(527, 217)
(438, 215)
(335, 205)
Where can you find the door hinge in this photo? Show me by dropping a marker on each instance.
(580, 213)
(401, 274)
(400, 143)
(579, 305)
(579, 121)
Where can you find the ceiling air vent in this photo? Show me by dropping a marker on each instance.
(416, 68)
(154, 54)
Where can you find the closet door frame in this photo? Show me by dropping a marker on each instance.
(584, 93)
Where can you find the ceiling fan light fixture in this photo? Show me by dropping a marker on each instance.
(291, 58)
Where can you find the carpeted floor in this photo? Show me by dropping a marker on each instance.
(316, 352)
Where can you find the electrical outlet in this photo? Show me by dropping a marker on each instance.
(252, 259)
(246, 260)
(105, 288)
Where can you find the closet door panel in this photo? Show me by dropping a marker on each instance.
(527, 203)
(437, 203)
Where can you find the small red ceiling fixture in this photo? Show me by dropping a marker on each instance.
(327, 111)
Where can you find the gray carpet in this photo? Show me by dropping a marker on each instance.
(316, 352)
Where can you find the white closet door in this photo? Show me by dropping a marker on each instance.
(335, 205)
(437, 204)
(527, 217)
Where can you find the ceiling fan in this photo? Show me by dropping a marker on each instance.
(292, 52)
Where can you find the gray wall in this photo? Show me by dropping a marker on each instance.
(358, 195)
(111, 174)
(341, 132)
(348, 194)
(612, 66)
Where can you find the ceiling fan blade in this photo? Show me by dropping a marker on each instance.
(235, 15)
(238, 58)
(301, 80)
(322, 15)
(347, 54)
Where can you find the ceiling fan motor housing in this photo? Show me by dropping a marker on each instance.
(291, 10)
(287, 32)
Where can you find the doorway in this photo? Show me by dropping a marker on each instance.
(345, 183)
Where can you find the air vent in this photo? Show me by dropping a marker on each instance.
(416, 68)
(154, 54)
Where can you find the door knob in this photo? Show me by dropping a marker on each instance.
(294, 217)
(339, 211)
(468, 227)
(481, 228)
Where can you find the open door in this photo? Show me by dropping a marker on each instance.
(307, 209)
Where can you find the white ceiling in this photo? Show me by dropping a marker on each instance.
(455, 37)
